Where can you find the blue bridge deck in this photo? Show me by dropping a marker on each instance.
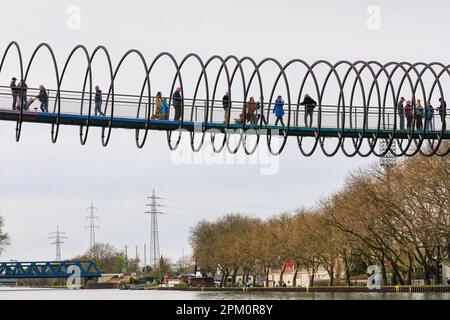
(166, 125)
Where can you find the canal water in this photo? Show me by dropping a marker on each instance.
(113, 294)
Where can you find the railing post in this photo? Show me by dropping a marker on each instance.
(152, 107)
(196, 112)
(389, 122)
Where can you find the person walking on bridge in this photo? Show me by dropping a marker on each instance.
(409, 115)
(401, 113)
(226, 104)
(23, 95)
(419, 115)
(177, 104)
(43, 98)
(251, 108)
(98, 101)
(429, 116)
(260, 106)
(279, 111)
(310, 104)
(158, 115)
(165, 109)
(442, 110)
(14, 93)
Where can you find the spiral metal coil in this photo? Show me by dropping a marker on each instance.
(382, 87)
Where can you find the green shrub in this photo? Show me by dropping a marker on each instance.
(124, 285)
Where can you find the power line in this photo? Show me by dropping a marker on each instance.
(154, 235)
(92, 225)
(26, 249)
(57, 236)
(199, 210)
(224, 203)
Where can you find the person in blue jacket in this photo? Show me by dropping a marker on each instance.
(278, 110)
(429, 115)
(165, 109)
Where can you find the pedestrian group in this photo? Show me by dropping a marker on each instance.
(421, 116)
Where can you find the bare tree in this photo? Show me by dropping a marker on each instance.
(397, 218)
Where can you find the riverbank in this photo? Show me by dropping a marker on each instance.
(359, 289)
(336, 289)
(151, 294)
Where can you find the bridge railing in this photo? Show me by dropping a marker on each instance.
(201, 110)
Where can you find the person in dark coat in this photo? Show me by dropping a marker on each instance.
(309, 104)
(442, 110)
(43, 98)
(14, 93)
(23, 94)
(226, 106)
(419, 115)
(177, 104)
(260, 111)
(98, 102)
(401, 113)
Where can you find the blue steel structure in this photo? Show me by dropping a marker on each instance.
(47, 269)
(190, 126)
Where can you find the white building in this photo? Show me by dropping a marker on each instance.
(321, 276)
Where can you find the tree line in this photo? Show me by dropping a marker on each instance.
(396, 217)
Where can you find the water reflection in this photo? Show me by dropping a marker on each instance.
(58, 294)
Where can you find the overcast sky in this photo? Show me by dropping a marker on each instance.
(45, 184)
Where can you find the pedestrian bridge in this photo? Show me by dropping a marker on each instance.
(48, 269)
(357, 104)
